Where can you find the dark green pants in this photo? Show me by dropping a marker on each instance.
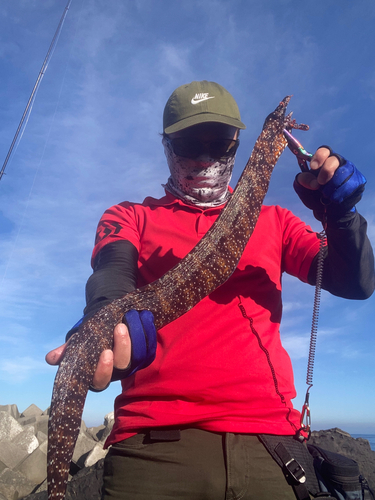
(200, 465)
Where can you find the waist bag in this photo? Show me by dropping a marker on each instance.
(310, 470)
(339, 475)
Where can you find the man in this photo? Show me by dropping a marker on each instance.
(188, 419)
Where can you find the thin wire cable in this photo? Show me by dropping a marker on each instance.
(30, 102)
(41, 158)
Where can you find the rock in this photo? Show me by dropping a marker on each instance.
(85, 485)
(11, 455)
(24, 421)
(23, 455)
(41, 424)
(42, 487)
(83, 447)
(109, 420)
(83, 427)
(358, 449)
(41, 495)
(26, 440)
(32, 411)
(14, 451)
(36, 417)
(96, 432)
(9, 427)
(14, 485)
(12, 410)
(96, 454)
(34, 466)
(41, 437)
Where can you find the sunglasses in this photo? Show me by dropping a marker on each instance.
(191, 147)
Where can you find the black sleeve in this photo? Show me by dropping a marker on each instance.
(348, 270)
(115, 275)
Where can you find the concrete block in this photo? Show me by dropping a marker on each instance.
(109, 420)
(43, 447)
(83, 447)
(11, 409)
(14, 485)
(32, 411)
(34, 466)
(42, 424)
(11, 454)
(26, 440)
(95, 432)
(104, 434)
(9, 427)
(25, 421)
(42, 487)
(41, 437)
(97, 453)
(83, 427)
(2, 466)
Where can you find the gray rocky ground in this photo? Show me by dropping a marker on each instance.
(23, 452)
(23, 455)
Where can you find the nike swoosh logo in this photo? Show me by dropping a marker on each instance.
(197, 101)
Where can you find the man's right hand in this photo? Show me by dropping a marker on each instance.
(119, 357)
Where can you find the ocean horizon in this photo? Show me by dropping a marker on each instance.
(370, 438)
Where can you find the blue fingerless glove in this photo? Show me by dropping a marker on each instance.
(337, 198)
(142, 333)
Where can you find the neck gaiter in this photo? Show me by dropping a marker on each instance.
(203, 181)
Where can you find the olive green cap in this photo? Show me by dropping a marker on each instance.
(200, 102)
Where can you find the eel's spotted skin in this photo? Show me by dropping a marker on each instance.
(204, 269)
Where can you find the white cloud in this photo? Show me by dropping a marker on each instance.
(293, 306)
(21, 368)
(297, 346)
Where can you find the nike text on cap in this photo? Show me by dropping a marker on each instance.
(199, 102)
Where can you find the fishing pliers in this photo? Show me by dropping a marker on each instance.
(296, 148)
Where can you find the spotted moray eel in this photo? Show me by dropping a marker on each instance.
(205, 268)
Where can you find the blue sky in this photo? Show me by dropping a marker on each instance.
(92, 140)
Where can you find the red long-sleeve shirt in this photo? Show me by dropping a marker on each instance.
(221, 366)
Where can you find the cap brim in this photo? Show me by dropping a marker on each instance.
(203, 118)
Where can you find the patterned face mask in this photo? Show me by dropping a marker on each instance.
(203, 181)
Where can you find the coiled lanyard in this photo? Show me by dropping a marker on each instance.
(305, 413)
